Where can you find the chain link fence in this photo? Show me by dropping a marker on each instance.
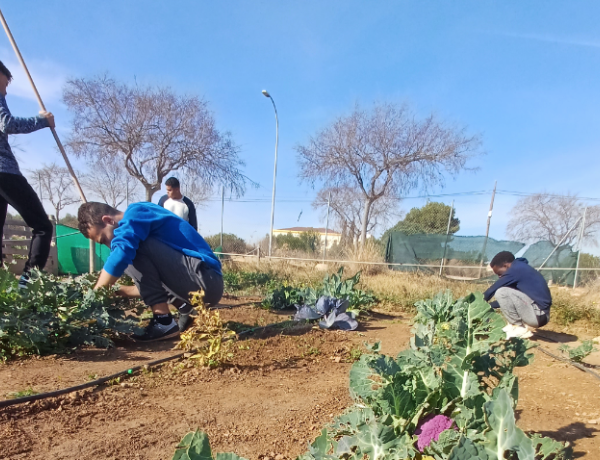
(456, 237)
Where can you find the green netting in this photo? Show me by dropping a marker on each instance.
(464, 251)
(563, 257)
(74, 252)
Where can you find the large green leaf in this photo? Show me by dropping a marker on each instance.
(370, 374)
(377, 441)
(467, 450)
(549, 449)
(195, 446)
(502, 435)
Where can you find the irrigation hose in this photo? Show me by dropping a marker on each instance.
(129, 371)
(93, 383)
(571, 362)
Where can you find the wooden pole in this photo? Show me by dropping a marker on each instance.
(447, 236)
(487, 230)
(581, 235)
(326, 227)
(222, 214)
(56, 138)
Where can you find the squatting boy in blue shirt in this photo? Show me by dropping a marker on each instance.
(165, 256)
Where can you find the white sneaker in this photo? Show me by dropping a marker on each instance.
(508, 327)
(518, 332)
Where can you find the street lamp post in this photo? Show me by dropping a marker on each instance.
(266, 94)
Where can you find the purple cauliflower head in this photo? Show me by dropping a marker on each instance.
(430, 428)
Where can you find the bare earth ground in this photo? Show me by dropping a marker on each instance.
(272, 400)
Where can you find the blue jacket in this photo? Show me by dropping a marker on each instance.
(147, 220)
(14, 125)
(522, 277)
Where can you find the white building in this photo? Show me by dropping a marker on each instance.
(332, 237)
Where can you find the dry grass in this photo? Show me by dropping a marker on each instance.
(370, 252)
(400, 290)
(576, 308)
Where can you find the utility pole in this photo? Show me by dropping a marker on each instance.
(326, 227)
(581, 234)
(487, 230)
(447, 236)
(222, 213)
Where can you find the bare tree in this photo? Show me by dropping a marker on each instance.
(150, 132)
(385, 152)
(55, 185)
(111, 183)
(347, 209)
(549, 217)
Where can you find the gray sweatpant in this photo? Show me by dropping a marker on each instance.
(163, 274)
(519, 309)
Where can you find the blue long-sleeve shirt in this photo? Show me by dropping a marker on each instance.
(14, 125)
(147, 220)
(522, 277)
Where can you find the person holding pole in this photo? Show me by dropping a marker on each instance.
(14, 188)
(522, 295)
(166, 257)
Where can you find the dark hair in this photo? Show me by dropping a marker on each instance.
(5, 71)
(503, 257)
(172, 182)
(90, 215)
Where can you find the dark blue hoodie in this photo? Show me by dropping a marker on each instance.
(522, 277)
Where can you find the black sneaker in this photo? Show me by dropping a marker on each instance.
(156, 331)
(23, 281)
(185, 319)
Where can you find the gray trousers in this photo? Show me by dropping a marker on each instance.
(519, 309)
(163, 274)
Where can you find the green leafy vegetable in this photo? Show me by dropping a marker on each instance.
(287, 296)
(53, 314)
(195, 446)
(579, 353)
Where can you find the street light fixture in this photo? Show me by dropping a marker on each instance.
(266, 94)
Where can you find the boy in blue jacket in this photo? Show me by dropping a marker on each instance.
(521, 293)
(165, 256)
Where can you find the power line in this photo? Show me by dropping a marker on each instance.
(266, 199)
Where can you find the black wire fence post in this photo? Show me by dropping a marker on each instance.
(487, 230)
(447, 236)
(579, 243)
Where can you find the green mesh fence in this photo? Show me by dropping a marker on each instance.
(463, 255)
(74, 252)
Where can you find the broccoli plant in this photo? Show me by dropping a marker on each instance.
(54, 313)
(579, 353)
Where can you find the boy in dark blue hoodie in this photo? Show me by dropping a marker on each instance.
(521, 293)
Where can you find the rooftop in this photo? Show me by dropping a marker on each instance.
(306, 229)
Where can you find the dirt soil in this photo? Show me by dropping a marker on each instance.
(282, 387)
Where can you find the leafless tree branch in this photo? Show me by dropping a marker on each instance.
(150, 132)
(385, 152)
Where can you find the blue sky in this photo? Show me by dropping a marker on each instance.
(524, 75)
